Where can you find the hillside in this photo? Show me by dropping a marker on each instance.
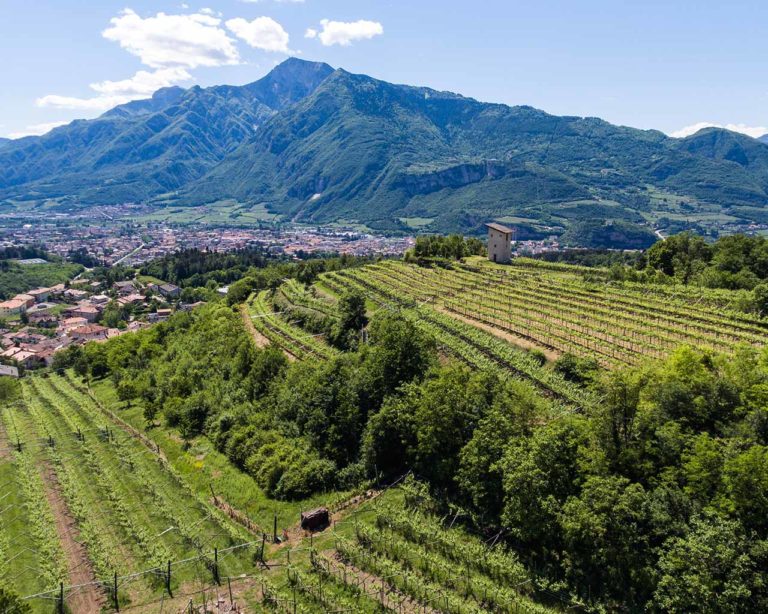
(322, 145)
(579, 444)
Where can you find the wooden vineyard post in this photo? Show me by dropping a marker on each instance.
(216, 577)
(229, 586)
(263, 542)
(61, 598)
(117, 601)
(168, 580)
(274, 531)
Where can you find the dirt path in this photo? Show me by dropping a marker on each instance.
(80, 570)
(324, 293)
(260, 340)
(521, 342)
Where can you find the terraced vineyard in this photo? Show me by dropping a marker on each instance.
(555, 310)
(390, 555)
(90, 508)
(295, 341)
(477, 347)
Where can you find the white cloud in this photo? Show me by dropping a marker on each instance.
(97, 103)
(170, 44)
(164, 40)
(112, 93)
(262, 33)
(143, 83)
(36, 130)
(345, 32)
(753, 131)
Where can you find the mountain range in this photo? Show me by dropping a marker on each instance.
(318, 145)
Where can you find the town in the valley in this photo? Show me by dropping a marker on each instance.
(40, 322)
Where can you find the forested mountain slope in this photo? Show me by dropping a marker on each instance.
(147, 148)
(320, 145)
(365, 149)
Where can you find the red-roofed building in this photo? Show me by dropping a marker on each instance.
(89, 332)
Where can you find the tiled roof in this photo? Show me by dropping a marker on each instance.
(500, 228)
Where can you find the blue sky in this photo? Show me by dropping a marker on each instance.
(665, 65)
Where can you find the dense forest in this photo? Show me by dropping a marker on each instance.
(733, 262)
(195, 267)
(594, 257)
(451, 247)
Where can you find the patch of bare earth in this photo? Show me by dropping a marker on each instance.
(517, 340)
(322, 293)
(79, 568)
(289, 356)
(260, 340)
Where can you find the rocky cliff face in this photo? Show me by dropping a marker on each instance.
(424, 181)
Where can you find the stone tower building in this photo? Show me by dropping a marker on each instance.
(499, 243)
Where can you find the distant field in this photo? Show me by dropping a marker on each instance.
(221, 212)
(417, 222)
(491, 316)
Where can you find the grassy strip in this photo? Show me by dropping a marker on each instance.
(130, 510)
(501, 566)
(50, 568)
(192, 527)
(293, 339)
